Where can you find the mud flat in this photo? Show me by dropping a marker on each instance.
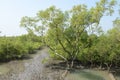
(30, 69)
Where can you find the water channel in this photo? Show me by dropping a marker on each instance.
(89, 74)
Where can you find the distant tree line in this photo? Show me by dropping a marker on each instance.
(18, 47)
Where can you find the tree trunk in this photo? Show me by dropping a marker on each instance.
(72, 64)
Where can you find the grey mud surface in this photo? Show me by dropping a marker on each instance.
(31, 69)
(35, 68)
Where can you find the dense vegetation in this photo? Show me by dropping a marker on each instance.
(71, 35)
(76, 34)
(18, 47)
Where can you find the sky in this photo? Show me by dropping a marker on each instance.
(11, 12)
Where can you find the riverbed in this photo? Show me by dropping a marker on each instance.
(37, 67)
(32, 68)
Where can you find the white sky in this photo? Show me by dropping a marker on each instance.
(11, 12)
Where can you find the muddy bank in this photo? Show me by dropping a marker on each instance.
(31, 69)
(37, 68)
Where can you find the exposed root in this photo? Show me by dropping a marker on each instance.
(64, 74)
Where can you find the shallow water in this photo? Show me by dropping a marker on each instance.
(87, 74)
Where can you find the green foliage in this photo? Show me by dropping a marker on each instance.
(17, 47)
(11, 48)
(76, 35)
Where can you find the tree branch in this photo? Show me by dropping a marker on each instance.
(57, 53)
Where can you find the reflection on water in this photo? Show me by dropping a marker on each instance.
(88, 75)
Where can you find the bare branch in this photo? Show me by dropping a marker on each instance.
(57, 53)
